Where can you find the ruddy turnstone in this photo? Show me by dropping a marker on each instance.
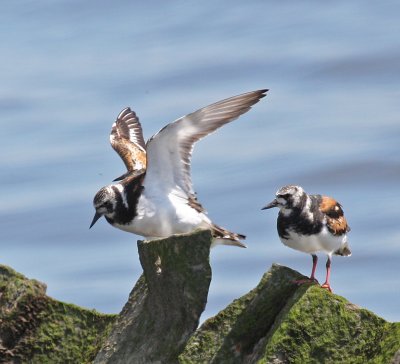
(155, 198)
(311, 224)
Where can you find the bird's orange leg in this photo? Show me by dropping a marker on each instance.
(312, 277)
(327, 285)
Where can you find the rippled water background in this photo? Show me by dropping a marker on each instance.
(331, 123)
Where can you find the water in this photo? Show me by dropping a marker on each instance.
(331, 123)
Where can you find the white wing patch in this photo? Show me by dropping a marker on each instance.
(169, 151)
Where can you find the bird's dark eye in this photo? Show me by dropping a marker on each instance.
(285, 196)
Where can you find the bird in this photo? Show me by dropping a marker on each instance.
(155, 197)
(311, 224)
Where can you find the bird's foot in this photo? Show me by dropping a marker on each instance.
(306, 280)
(327, 286)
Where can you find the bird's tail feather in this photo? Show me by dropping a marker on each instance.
(225, 237)
(343, 251)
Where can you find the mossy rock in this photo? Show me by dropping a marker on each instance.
(165, 305)
(280, 322)
(319, 327)
(35, 328)
(276, 322)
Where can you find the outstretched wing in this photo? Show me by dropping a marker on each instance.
(127, 140)
(169, 151)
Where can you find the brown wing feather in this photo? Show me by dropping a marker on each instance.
(126, 138)
(336, 222)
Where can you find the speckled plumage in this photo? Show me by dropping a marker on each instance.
(311, 224)
(155, 198)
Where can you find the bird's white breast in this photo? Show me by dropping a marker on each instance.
(161, 215)
(321, 242)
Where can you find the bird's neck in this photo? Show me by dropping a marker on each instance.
(130, 190)
(299, 205)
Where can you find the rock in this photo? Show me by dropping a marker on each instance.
(164, 307)
(276, 322)
(35, 328)
(279, 322)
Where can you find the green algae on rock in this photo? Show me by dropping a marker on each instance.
(279, 322)
(276, 322)
(164, 307)
(321, 327)
(35, 328)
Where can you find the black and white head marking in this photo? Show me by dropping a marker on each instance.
(290, 197)
(105, 201)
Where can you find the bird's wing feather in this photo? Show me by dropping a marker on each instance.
(335, 219)
(126, 138)
(169, 151)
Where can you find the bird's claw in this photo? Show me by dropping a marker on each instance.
(327, 286)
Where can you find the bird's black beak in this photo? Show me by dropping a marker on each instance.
(272, 204)
(95, 218)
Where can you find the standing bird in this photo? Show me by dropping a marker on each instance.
(311, 224)
(155, 198)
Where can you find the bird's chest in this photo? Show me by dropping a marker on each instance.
(142, 218)
(160, 215)
(307, 234)
(299, 231)
(298, 224)
(304, 243)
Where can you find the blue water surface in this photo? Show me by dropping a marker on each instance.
(331, 123)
